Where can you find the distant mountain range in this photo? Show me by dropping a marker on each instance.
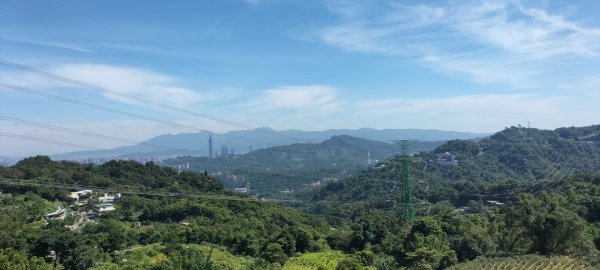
(242, 141)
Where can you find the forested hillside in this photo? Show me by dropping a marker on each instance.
(291, 167)
(462, 221)
(507, 204)
(218, 230)
(241, 226)
(509, 162)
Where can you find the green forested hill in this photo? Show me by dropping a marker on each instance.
(291, 167)
(508, 162)
(220, 230)
(241, 225)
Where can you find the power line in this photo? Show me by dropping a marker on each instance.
(23, 182)
(558, 185)
(98, 107)
(557, 177)
(115, 93)
(22, 137)
(132, 97)
(85, 133)
(54, 184)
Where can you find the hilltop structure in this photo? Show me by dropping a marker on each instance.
(210, 146)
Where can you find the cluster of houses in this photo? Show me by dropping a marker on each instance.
(82, 198)
(240, 190)
(322, 182)
(446, 159)
(490, 203)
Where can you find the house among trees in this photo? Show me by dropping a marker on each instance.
(61, 213)
(495, 203)
(110, 197)
(446, 159)
(104, 208)
(90, 214)
(81, 197)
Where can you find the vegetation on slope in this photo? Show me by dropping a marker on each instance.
(244, 227)
(357, 224)
(292, 167)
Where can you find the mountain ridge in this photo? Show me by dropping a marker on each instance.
(244, 140)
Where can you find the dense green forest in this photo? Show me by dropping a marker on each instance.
(192, 222)
(241, 225)
(515, 160)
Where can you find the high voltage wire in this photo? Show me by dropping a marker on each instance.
(85, 133)
(98, 107)
(132, 97)
(22, 137)
(23, 182)
(561, 174)
(559, 184)
(115, 93)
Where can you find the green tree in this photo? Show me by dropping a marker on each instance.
(427, 246)
(548, 225)
(274, 253)
(12, 259)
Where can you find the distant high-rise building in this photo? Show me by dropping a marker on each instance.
(210, 146)
(224, 150)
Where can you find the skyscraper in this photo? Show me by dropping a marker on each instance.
(210, 146)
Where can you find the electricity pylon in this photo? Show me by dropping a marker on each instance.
(407, 209)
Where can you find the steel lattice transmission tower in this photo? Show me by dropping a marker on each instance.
(407, 209)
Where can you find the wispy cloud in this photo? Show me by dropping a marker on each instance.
(305, 107)
(473, 112)
(135, 130)
(588, 86)
(49, 43)
(62, 46)
(499, 41)
(298, 98)
(132, 81)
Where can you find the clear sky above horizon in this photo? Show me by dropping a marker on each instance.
(474, 66)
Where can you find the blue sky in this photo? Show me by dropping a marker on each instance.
(296, 64)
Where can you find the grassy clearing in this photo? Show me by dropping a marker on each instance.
(143, 257)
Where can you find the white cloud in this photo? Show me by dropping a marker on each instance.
(477, 113)
(254, 2)
(481, 113)
(127, 129)
(130, 81)
(589, 86)
(488, 41)
(303, 97)
(49, 43)
(61, 45)
(485, 69)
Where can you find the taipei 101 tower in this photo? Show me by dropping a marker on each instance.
(210, 146)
